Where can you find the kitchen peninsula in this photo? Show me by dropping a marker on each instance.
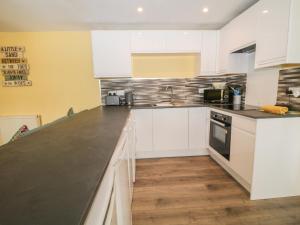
(54, 176)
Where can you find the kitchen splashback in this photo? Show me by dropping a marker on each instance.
(289, 78)
(150, 91)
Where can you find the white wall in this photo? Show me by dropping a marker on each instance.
(9, 125)
(262, 84)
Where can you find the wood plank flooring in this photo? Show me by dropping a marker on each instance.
(196, 190)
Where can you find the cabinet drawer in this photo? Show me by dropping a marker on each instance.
(245, 124)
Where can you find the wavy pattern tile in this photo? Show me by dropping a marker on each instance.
(150, 91)
(288, 78)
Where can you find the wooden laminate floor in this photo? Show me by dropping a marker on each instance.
(195, 190)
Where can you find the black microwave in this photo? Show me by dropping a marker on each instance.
(218, 96)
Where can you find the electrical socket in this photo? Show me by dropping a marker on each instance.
(201, 90)
(295, 91)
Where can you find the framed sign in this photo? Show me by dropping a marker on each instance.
(17, 83)
(13, 60)
(12, 49)
(14, 67)
(12, 54)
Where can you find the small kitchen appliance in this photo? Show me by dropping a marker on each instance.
(129, 98)
(218, 96)
(112, 99)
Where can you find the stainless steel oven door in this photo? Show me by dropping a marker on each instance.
(219, 138)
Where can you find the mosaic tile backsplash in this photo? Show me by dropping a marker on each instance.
(151, 91)
(288, 78)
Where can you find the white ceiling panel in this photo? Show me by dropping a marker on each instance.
(47, 15)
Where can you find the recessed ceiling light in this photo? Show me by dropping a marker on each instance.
(265, 11)
(205, 10)
(140, 9)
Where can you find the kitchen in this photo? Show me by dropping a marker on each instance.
(187, 131)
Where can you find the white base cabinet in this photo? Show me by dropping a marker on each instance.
(123, 189)
(144, 129)
(170, 129)
(171, 132)
(197, 133)
(112, 204)
(111, 215)
(242, 153)
(264, 156)
(242, 147)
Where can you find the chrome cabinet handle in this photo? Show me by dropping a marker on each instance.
(219, 123)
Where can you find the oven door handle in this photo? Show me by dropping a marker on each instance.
(219, 123)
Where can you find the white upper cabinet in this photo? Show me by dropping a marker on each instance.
(273, 25)
(209, 52)
(147, 41)
(167, 41)
(242, 29)
(112, 50)
(111, 54)
(278, 30)
(238, 34)
(230, 62)
(183, 41)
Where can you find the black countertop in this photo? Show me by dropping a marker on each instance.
(245, 110)
(51, 177)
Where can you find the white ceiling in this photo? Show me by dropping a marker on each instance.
(46, 15)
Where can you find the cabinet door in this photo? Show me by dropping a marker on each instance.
(111, 215)
(170, 129)
(122, 189)
(272, 34)
(242, 153)
(243, 29)
(131, 144)
(209, 52)
(197, 128)
(144, 129)
(183, 41)
(223, 55)
(147, 41)
(111, 53)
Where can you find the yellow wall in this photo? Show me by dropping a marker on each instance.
(61, 72)
(165, 65)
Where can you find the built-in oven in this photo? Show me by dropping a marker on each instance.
(220, 133)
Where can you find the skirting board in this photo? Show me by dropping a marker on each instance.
(170, 153)
(214, 155)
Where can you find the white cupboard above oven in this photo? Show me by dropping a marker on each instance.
(272, 25)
